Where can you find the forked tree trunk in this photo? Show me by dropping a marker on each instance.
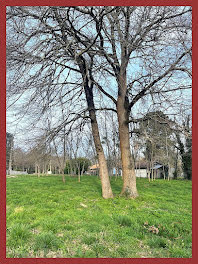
(128, 171)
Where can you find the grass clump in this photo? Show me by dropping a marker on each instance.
(89, 240)
(157, 242)
(123, 220)
(18, 234)
(46, 241)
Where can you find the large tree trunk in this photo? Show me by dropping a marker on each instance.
(88, 87)
(128, 171)
(104, 176)
(128, 167)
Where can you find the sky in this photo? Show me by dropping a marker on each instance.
(21, 127)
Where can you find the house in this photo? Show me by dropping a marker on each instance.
(141, 169)
(160, 170)
(94, 169)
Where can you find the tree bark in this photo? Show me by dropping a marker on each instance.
(168, 171)
(82, 171)
(88, 87)
(38, 173)
(35, 168)
(149, 172)
(164, 173)
(78, 176)
(10, 158)
(63, 177)
(128, 172)
(104, 175)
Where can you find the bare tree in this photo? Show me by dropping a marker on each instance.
(144, 49)
(48, 56)
(9, 152)
(134, 56)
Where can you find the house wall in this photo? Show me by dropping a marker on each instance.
(160, 171)
(141, 173)
(16, 172)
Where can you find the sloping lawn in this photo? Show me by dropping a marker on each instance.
(46, 218)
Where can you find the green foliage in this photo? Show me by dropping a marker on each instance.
(45, 216)
(156, 126)
(187, 165)
(186, 155)
(187, 158)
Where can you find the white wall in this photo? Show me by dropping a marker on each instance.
(141, 173)
(16, 172)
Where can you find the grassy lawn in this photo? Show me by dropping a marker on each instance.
(46, 218)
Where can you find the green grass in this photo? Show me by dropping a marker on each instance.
(46, 218)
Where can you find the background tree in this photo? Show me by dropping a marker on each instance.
(9, 151)
(185, 148)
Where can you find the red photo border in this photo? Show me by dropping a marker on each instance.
(3, 4)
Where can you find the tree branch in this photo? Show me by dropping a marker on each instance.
(143, 92)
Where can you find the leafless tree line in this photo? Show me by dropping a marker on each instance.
(68, 64)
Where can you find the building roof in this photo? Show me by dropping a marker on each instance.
(141, 164)
(94, 167)
(157, 166)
